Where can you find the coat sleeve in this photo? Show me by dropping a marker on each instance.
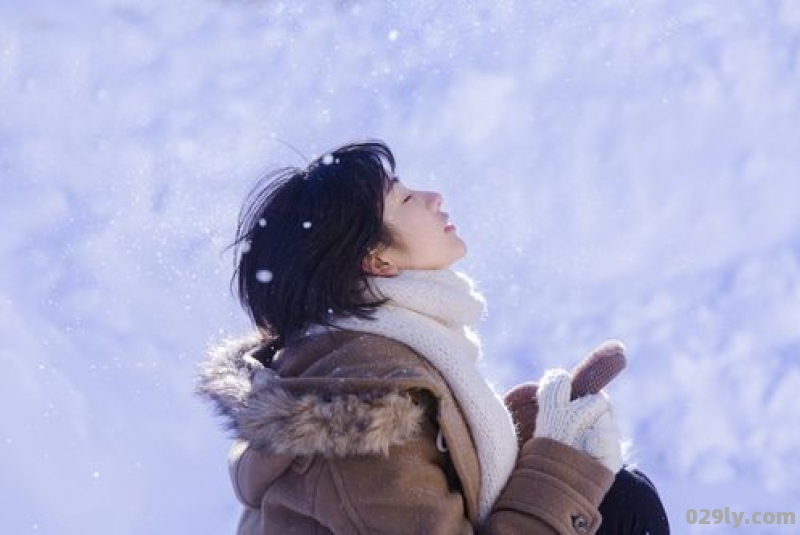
(553, 490)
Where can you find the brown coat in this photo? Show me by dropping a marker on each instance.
(340, 437)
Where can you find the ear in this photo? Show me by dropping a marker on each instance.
(375, 265)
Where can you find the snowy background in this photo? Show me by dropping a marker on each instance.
(619, 168)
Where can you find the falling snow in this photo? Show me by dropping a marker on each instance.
(263, 275)
(615, 173)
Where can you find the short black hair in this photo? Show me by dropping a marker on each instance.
(301, 237)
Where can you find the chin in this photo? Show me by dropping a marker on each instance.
(463, 249)
(461, 254)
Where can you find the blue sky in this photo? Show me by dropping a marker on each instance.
(618, 169)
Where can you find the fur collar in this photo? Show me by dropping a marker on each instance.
(303, 416)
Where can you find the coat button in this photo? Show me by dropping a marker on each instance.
(581, 524)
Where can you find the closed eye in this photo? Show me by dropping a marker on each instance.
(408, 198)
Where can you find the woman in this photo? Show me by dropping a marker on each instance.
(358, 407)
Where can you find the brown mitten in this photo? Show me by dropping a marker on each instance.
(589, 377)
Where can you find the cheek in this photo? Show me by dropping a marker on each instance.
(421, 234)
(411, 241)
(409, 228)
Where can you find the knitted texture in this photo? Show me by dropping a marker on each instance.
(589, 377)
(431, 311)
(604, 442)
(586, 424)
(598, 369)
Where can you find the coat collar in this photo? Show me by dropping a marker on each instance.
(325, 408)
(333, 394)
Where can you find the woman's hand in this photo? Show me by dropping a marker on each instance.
(586, 424)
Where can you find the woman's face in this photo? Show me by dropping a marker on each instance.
(426, 240)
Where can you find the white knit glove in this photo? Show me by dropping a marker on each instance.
(586, 424)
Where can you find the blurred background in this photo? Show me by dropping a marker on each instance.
(619, 169)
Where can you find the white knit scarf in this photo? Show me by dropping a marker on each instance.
(431, 311)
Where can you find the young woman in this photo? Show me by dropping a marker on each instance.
(357, 405)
